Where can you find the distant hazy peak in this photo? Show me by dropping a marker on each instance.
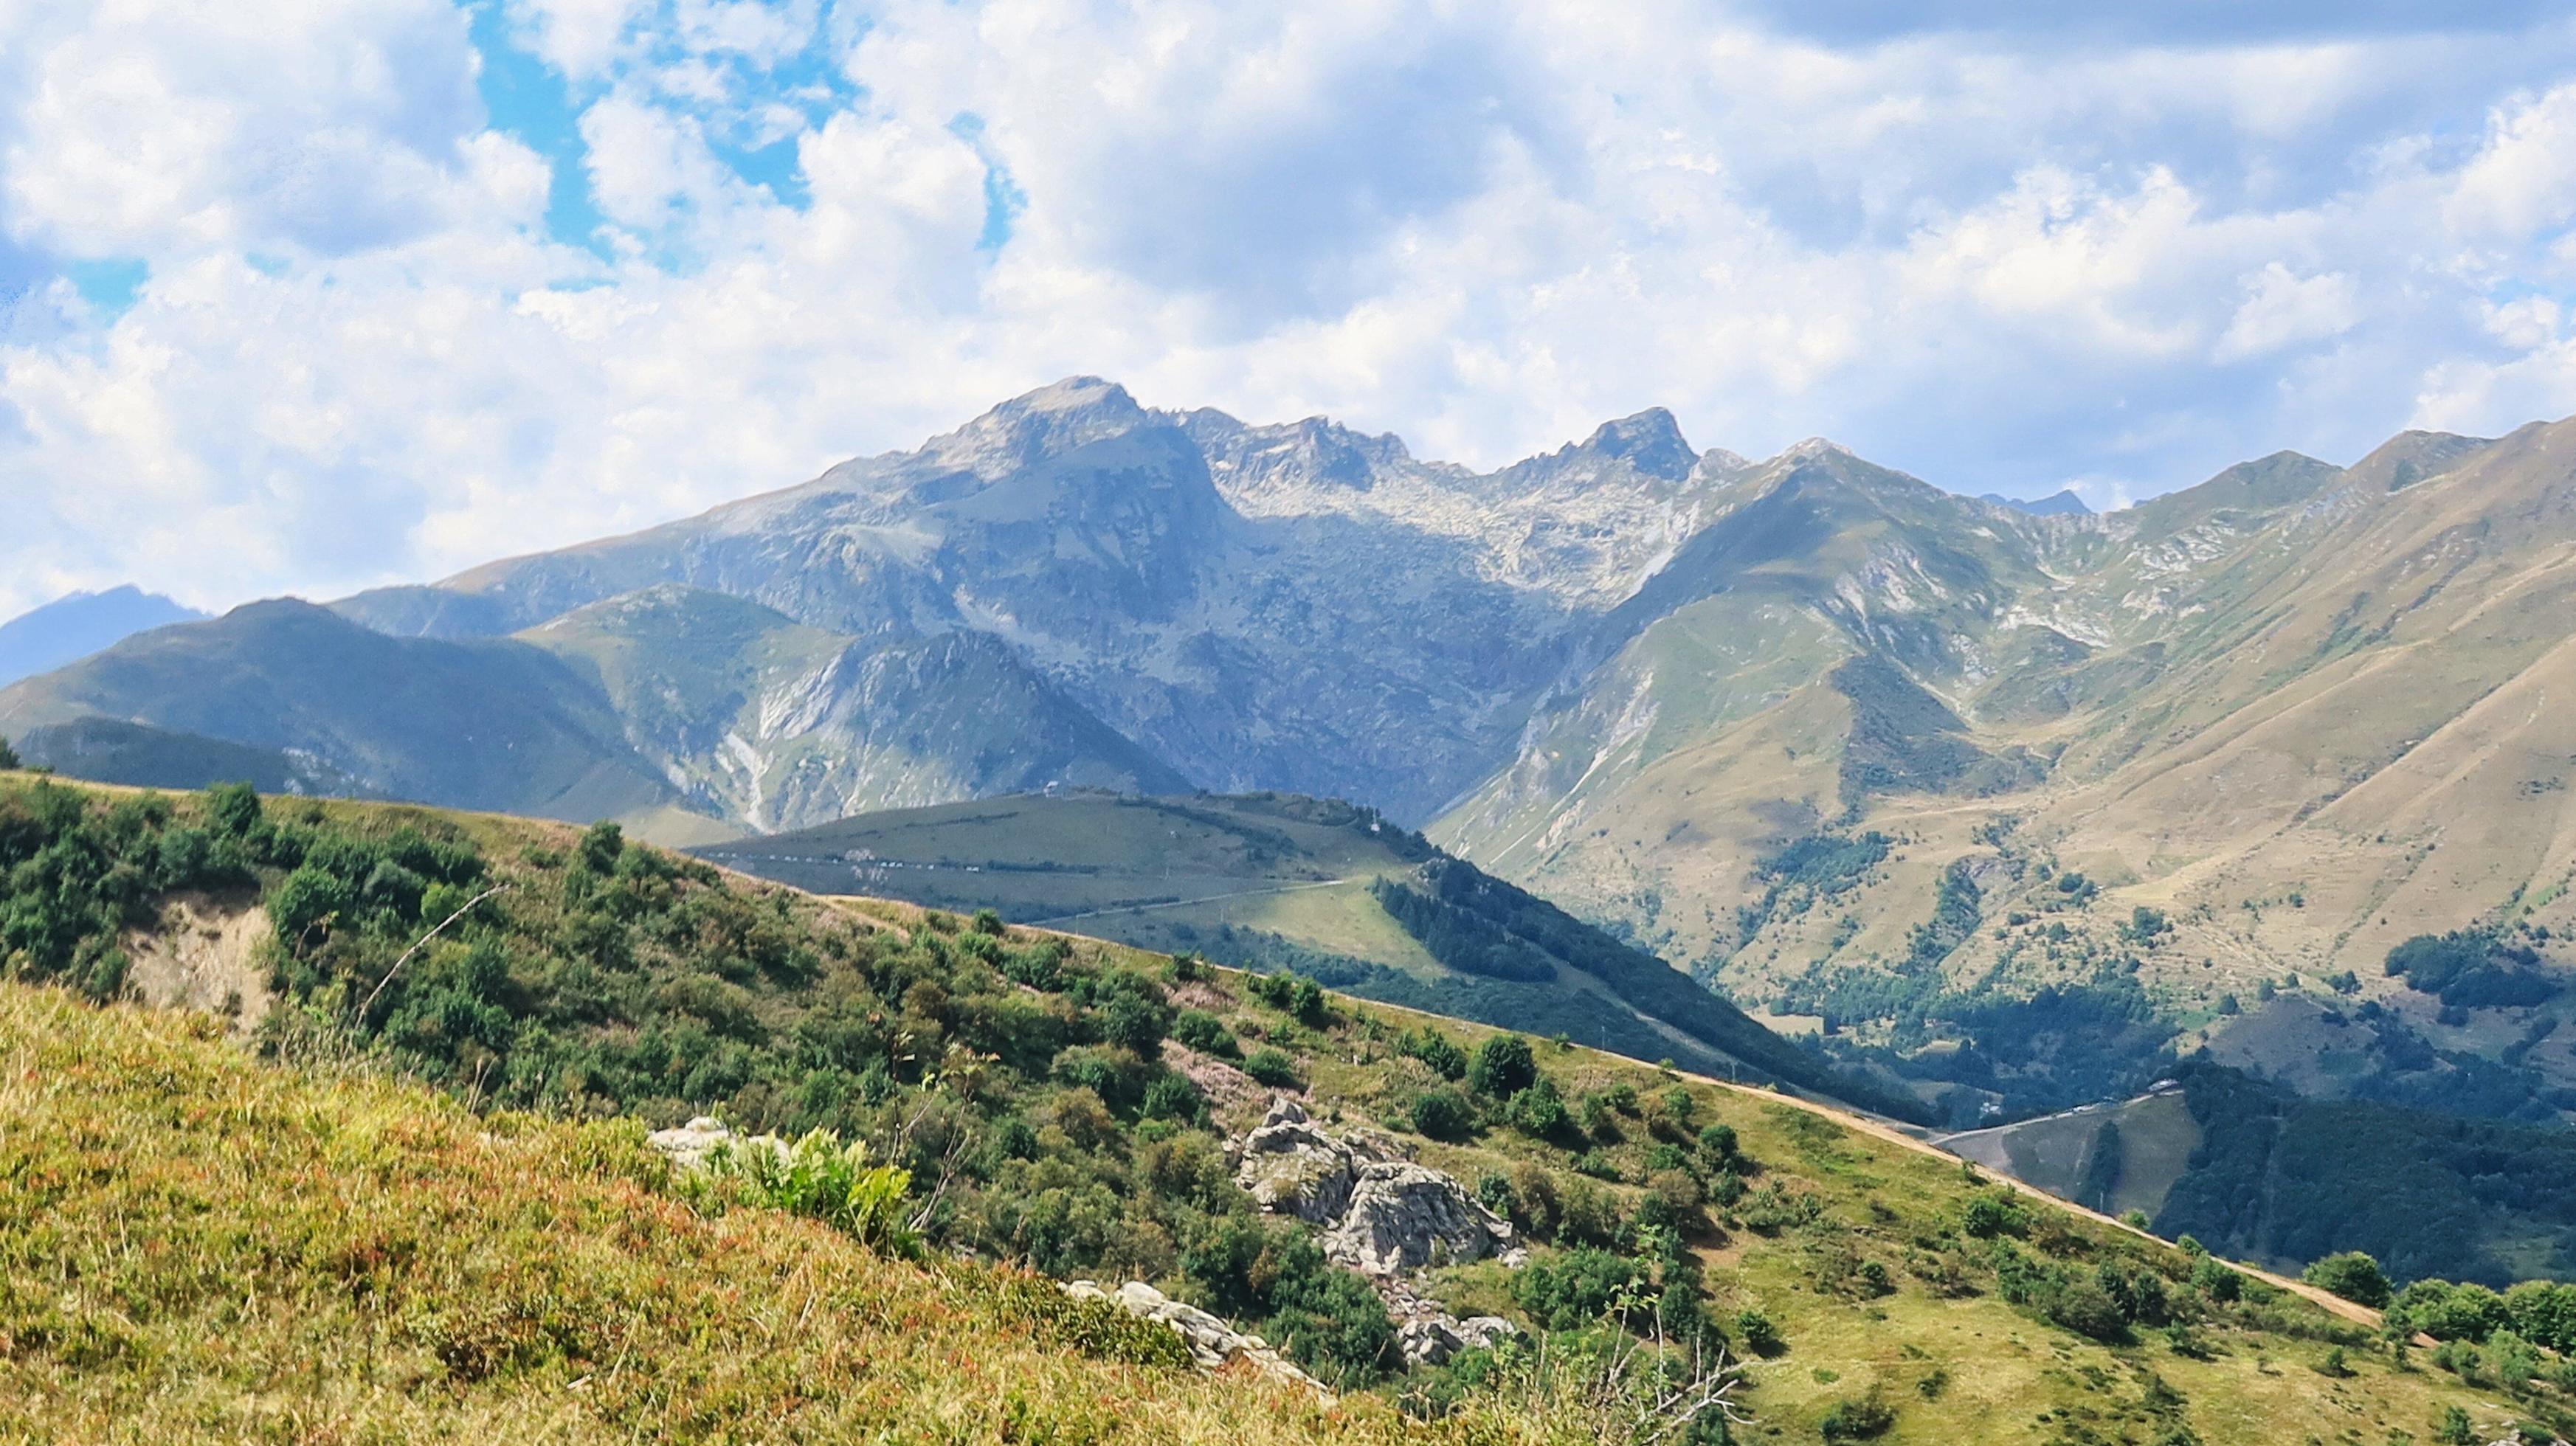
(1040, 424)
(77, 625)
(2063, 504)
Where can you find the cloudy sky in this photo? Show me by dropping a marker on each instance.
(305, 295)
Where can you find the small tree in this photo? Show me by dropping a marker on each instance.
(1503, 1067)
(2354, 1276)
(8, 756)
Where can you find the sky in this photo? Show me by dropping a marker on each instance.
(311, 295)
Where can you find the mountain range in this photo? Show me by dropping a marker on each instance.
(1857, 749)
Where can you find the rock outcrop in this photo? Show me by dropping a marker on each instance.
(1402, 1216)
(1290, 1166)
(689, 1145)
(1430, 1340)
(1212, 1343)
(1381, 1215)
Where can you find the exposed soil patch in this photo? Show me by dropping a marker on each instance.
(204, 954)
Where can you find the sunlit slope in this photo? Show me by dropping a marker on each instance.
(2302, 713)
(1278, 881)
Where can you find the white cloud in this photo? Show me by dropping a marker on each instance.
(581, 38)
(2283, 309)
(358, 359)
(2524, 178)
(316, 125)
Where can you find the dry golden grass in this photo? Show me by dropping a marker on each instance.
(197, 1247)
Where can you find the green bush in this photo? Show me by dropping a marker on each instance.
(1858, 1419)
(1206, 1033)
(1539, 1110)
(1993, 1212)
(1503, 1067)
(1575, 1289)
(1274, 1068)
(1437, 1051)
(2353, 1275)
(819, 1176)
(1442, 1114)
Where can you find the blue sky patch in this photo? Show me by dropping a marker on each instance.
(110, 287)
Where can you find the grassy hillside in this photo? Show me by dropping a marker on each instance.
(202, 1247)
(1276, 881)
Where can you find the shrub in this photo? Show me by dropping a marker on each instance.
(1717, 1143)
(2085, 1308)
(1861, 1419)
(1679, 1106)
(2353, 1275)
(988, 923)
(1575, 1289)
(1206, 1033)
(1437, 1051)
(1503, 1067)
(1272, 1067)
(1759, 1335)
(307, 900)
(1171, 1097)
(2213, 1279)
(1442, 1114)
(1994, 1212)
(839, 1184)
(1539, 1110)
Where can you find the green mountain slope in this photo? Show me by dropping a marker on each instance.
(112, 751)
(2297, 715)
(214, 1246)
(483, 725)
(673, 709)
(1277, 881)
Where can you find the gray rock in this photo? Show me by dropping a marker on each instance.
(1432, 1338)
(1405, 1217)
(1291, 1167)
(689, 1145)
(1212, 1343)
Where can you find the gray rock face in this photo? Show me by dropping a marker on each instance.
(1404, 1217)
(1383, 1215)
(1297, 606)
(1212, 1343)
(1291, 1167)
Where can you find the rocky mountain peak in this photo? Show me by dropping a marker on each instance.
(1651, 441)
(1037, 425)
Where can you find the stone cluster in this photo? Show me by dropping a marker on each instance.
(1381, 1215)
